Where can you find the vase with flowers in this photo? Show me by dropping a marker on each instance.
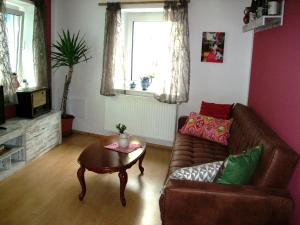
(123, 137)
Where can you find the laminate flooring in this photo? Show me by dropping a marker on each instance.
(45, 191)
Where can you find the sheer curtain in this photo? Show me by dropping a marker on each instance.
(39, 49)
(5, 70)
(174, 88)
(113, 76)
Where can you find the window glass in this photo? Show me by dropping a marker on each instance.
(150, 50)
(146, 38)
(14, 33)
(19, 26)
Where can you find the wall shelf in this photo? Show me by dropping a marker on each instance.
(266, 22)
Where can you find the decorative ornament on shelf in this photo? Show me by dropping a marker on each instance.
(15, 81)
(25, 82)
(260, 9)
(123, 137)
(132, 85)
(263, 15)
(253, 8)
(257, 9)
(266, 7)
(247, 15)
(146, 81)
(273, 7)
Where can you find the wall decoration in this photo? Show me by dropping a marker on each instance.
(213, 47)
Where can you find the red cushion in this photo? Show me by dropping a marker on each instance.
(220, 111)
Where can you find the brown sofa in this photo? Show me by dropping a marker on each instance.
(264, 202)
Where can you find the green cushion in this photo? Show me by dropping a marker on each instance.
(240, 168)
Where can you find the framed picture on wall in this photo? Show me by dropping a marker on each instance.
(213, 47)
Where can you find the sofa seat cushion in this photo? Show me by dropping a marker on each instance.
(190, 151)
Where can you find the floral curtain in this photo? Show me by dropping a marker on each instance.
(5, 70)
(175, 88)
(113, 77)
(39, 45)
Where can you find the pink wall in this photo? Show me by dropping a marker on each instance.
(275, 84)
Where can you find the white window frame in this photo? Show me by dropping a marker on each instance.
(131, 16)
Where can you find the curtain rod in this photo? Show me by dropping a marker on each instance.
(104, 3)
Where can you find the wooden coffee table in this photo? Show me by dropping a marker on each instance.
(100, 160)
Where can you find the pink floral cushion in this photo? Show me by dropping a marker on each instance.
(216, 130)
(207, 127)
(193, 125)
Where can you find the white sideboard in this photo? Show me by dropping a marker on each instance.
(28, 139)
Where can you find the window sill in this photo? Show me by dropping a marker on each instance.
(137, 92)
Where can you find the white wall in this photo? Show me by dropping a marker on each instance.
(85, 101)
(214, 82)
(227, 82)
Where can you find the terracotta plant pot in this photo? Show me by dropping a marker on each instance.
(66, 125)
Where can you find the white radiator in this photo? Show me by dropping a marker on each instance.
(143, 116)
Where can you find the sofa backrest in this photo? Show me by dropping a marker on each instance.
(278, 160)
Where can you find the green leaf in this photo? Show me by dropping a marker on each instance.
(69, 50)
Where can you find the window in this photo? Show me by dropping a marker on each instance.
(14, 22)
(19, 25)
(146, 46)
(160, 49)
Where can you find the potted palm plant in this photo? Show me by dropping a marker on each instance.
(68, 50)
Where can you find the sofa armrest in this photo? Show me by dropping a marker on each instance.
(191, 203)
(181, 121)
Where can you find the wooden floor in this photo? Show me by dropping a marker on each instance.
(45, 192)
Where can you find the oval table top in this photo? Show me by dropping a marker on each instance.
(99, 159)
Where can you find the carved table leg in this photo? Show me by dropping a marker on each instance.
(80, 175)
(123, 182)
(140, 163)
